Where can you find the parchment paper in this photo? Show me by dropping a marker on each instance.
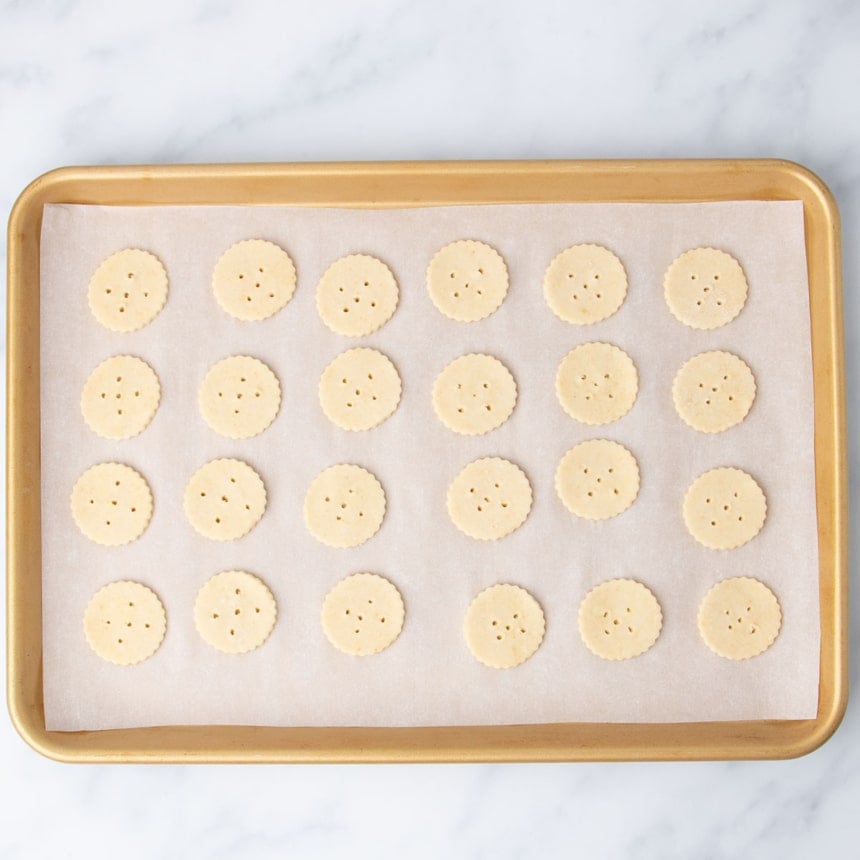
(428, 676)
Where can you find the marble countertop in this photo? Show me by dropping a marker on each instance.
(210, 80)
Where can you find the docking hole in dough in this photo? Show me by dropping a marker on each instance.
(128, 290)
(705, 288)
(253, 280)
(240, 397)
(597, 383)
(467, 280)
(489, 498)
(120, 397)
(359, 389)
(597, 479)
(363, 614)
(585, 284)
(224, 499)
(713, 391)
(504, 626)
(739, 618)
(357, 295)
(724, 508)
(124, 623)
(235, 612)
(619, 619)
(111, 504)
(474, 394)
(344, 506)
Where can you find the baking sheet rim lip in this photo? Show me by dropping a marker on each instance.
(132, 171)
(822, 726)
(51, 745)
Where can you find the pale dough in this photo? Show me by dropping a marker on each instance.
(362, 614)
(356, 295)
(714, 391)
(724, 508)
(111, 504)
(225, 499)
(124, 623)
(596, 383)
(597, 479)
(489, 498)
(739, 618)
(254, 279)
(128, 290)
(344, 506)
(467, 280)
(504, 626)
(239, 397)
(120, 397)
(585, 284)
(705, 288)
(235, 612)
(619, 619)
(359, 389)
(474, 394)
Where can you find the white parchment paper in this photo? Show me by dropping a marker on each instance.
(428, 676)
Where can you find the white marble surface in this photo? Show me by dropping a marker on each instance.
(210, 80)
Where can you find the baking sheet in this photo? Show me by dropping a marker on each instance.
(428, 676)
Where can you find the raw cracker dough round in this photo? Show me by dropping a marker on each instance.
(239, 397)
(111, 504)
(596, 383)
(344, 506)
(739, 618)
(359, 389)
(120, 397)
(705, 288)
(224, 499)
(585, 284)
(724, 508)
(362, 614)
(235, 612)
(714, 391)
(253, 279)
(474, 394)
(619, 619)
(489, 498)
(357, 295)
(467, 280)
(124, 623)
(597, 479)
(504, 626)
(128, 290)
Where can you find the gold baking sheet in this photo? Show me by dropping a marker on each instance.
(403, 185)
